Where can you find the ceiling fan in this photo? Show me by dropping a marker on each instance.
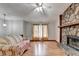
(40, 8)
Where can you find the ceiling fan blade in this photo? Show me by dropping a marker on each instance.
(44, 11)
(41, 4)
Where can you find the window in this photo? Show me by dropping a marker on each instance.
(40, 31)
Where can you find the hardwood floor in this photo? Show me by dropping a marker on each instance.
(46, 48)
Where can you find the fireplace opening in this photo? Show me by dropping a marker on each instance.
(73, 41)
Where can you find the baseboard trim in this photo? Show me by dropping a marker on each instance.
(42, 40)
(45, 41)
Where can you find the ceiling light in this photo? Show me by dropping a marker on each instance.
(4, 25)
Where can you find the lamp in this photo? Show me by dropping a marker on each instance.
(4, 24)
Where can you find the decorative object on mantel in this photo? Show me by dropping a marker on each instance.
(4, 23)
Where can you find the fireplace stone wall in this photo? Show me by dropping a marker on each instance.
(69, 17)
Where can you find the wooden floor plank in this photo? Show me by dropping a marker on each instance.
(46, 48)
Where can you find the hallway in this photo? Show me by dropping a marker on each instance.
(46, 48)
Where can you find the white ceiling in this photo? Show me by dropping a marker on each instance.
(26, 11)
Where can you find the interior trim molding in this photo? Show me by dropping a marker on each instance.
(43, 41)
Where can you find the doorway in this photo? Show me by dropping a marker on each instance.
(40, 32)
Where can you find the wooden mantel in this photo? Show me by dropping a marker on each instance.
(69, 25)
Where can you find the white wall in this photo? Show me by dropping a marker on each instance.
(22, 27)
(28, 30)
(51, 31)
(52, 28)
(54, 31)
(57, 30)
(15, 27)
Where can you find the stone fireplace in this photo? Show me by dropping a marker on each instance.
(69, 29)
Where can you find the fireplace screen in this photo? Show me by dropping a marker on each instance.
(73, 41)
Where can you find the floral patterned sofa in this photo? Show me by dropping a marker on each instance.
(13, 45)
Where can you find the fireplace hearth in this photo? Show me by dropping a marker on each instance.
(73, 42)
